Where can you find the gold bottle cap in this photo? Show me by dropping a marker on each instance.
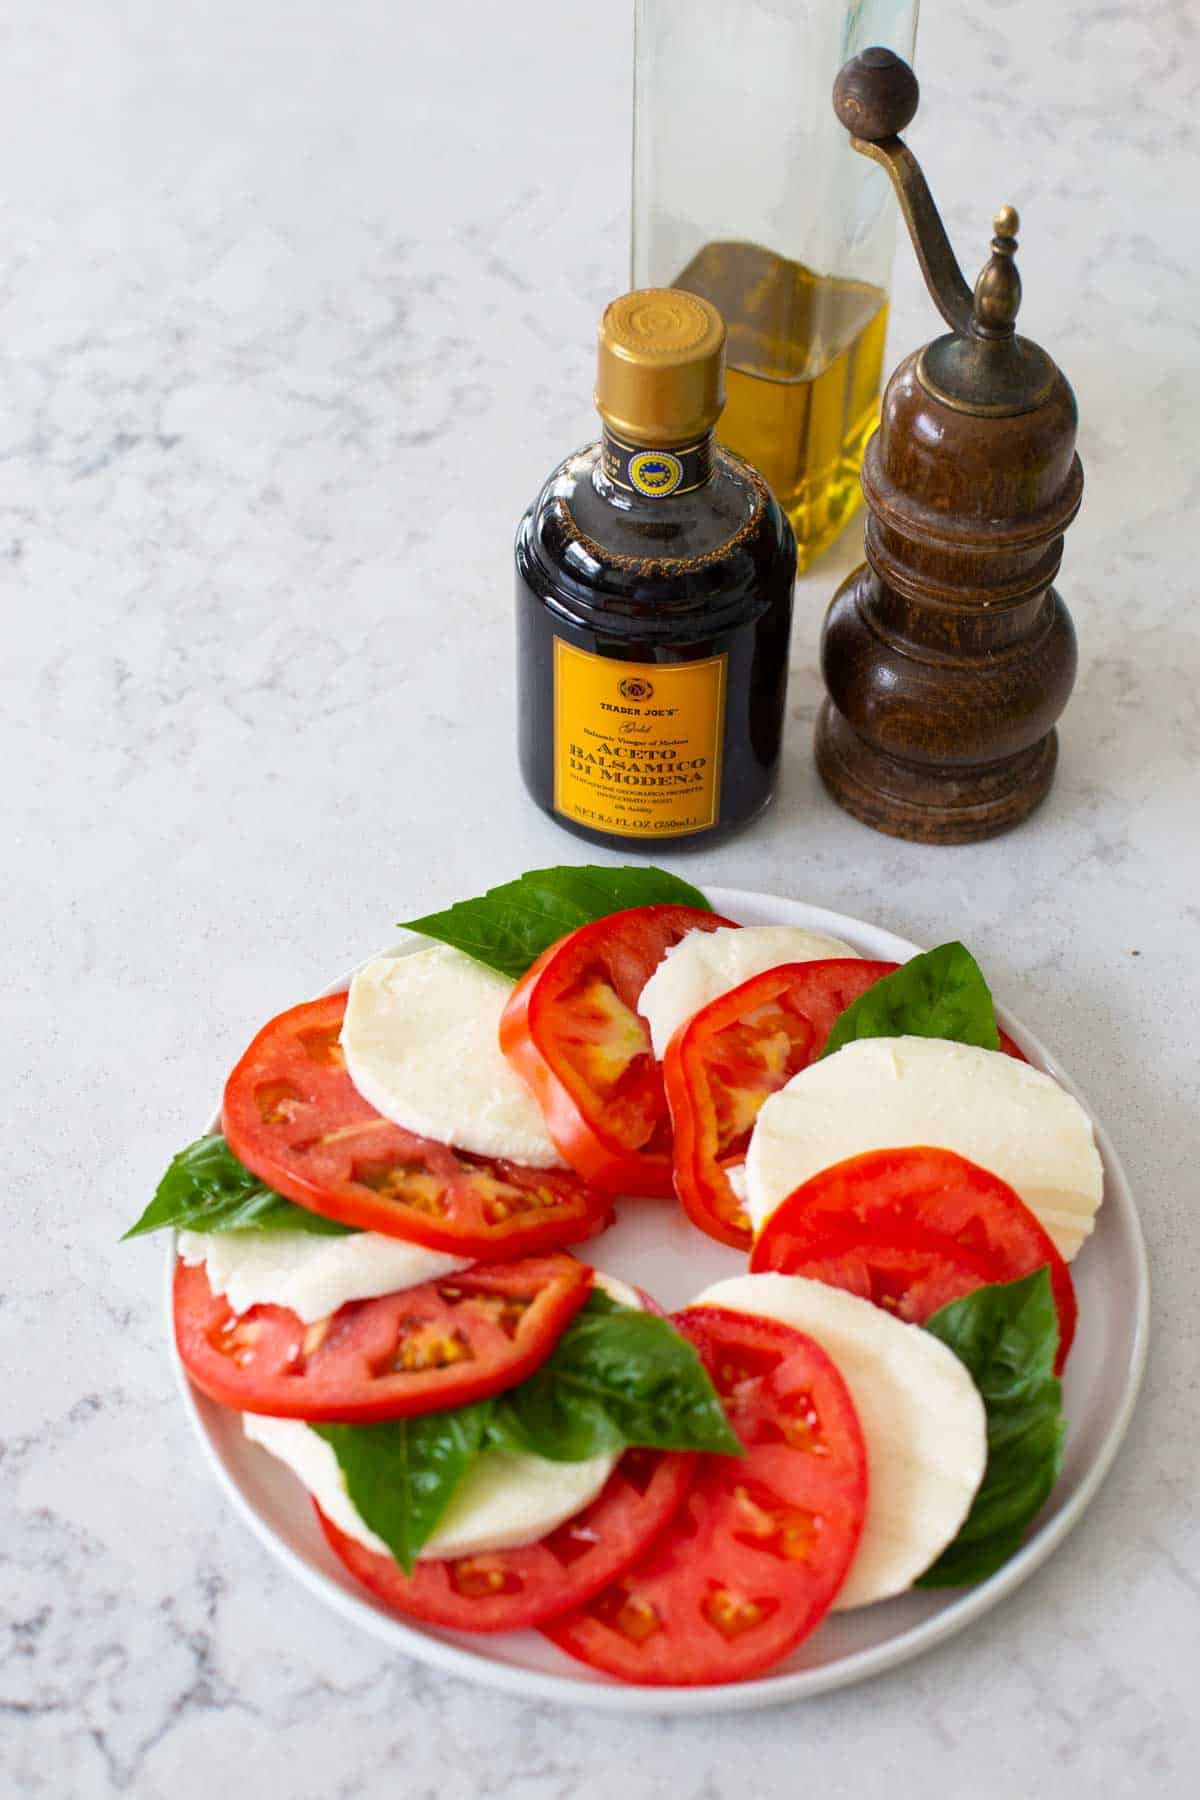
(660, 377)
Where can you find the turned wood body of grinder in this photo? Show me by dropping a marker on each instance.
(948, 655)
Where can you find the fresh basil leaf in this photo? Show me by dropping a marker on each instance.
(614, 1379)
(600, 1302)
(600, 890)
(941, 994)
(206, 1188)
(508, 927)
(1007, 1337)
(402, 1474)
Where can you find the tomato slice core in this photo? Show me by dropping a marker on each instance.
(912, 1229)
(731, 1056)
(572, 1030)
(509, 1590)
(426, 1348)
(295, 1118)
(756, 1554)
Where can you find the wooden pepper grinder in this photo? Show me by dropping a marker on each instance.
(948, 655)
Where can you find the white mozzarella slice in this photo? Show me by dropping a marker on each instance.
(703, 965)
(617, 1290)
(923, 1423)
(312, 1460)
(884, 1093)
(311, 1274)
(421, 1043)
(505, 1500)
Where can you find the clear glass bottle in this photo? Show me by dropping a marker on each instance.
(746, 191)
(654, 602)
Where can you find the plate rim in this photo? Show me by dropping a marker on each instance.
(603, 1694)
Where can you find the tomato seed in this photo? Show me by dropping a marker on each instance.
(731, 1614)
(475, 1579)
(633, 1616)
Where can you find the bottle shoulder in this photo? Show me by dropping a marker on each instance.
(727, 543)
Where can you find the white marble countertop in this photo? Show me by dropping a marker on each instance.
(297, 310)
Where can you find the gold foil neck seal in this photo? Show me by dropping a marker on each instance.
(660, 376)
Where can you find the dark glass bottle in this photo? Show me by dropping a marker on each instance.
(654, 598)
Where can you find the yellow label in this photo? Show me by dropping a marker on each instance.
(637, 746)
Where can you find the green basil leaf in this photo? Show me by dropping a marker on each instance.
(206, 1188)
(941, 994)
(1007, 1337)
(614, 1379)
(508, 927)
(402, 1474)
(600, 1302)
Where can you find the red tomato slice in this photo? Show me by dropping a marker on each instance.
(912, 1229)
(758, 1550)
(572, 1030)
(912, 1274)
(422, 1350)
(728, 1058)
(295, 1118)
(508, 1590)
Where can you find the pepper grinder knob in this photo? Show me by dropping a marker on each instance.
(875, 96)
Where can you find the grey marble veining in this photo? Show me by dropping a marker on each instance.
(296, 306)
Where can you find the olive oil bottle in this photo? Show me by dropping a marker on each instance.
(746, 192)
(654, 599)
(804, 371)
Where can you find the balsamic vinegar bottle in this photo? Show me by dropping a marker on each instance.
(654, 600)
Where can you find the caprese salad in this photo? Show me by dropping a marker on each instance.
(376, 1268)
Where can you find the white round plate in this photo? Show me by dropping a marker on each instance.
(653, 1244)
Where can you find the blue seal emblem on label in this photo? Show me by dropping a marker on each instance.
(655, 472)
